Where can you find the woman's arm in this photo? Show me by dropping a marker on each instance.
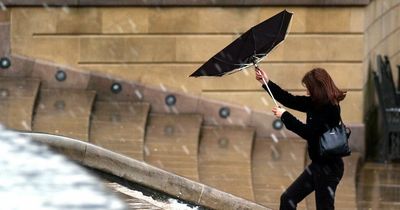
(292, 123)
(300, 103)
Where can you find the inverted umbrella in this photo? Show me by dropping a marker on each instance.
(249, 49)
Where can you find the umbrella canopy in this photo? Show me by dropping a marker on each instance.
(249, 49)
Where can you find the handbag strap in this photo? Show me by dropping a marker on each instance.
(340, 116)
(345, 127)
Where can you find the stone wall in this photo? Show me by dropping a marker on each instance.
(161, 46)
(382, 32)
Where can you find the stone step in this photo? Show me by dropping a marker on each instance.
(172, 143)
(17, 100)
(64, 112)
(119, 126)
(225, 159)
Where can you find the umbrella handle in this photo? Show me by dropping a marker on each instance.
(269, 90)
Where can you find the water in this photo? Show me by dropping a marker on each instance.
(35, 178)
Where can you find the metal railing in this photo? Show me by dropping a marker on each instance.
(389, 105)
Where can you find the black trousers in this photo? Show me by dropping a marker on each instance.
(323, 178)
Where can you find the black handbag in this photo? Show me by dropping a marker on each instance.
(334, 142)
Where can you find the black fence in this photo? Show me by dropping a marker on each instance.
(389, 106)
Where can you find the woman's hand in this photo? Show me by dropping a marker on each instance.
(278, 111)
(260, 74)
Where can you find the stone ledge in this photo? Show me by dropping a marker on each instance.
(143, 173)
(186, 2)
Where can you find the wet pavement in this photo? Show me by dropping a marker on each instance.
(379, 187)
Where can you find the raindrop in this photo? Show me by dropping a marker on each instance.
(120, 30)
(264, 101)
(65, 9)
(146, 151)
(293, 156)
(134, 52)
(331, 193)
(59, 105)
(3, 7)
(218, 68)
(160, 163)
(111, 51)
(308, 170)
(138, 94)
(133, 25)
(236, 148)
(174, 110)
(271, 165)
(283, 188)
(274, 138)
(214, 121)
(46, 6)
(291, 176)
(185, 149)
(246, 72)
(282, 132)
(140, 128)
(230, 57)
(4, 93)
(184, 89)
(239, 122)
(115, 117)
(72, 113)
(275, 153)
(24, 124)
(248, 110)
(163, 88)
(292, 204)
(169, 130)
(223, 142)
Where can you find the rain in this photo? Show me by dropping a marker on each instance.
(2, 6)
(216, 158)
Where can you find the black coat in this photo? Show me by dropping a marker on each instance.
(318, 118)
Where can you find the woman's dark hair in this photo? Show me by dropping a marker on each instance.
(321, 87)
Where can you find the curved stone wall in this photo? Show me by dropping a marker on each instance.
(139, 172)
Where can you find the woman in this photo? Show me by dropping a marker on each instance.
(322, 107)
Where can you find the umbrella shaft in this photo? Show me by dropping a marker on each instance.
(265, 82)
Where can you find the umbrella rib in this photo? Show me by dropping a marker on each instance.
(223, 61)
